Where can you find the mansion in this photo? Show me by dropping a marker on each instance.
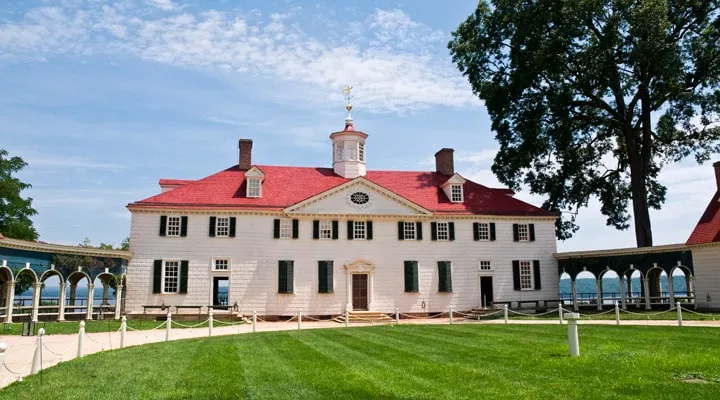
(325, 240)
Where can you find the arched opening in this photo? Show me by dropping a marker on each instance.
(634, 287)
(610, 292)
(51, 284)
(683, 284)
(586, 287)
(657, 285)
(565, 288)
(24, 292)
(104, 295)
(76, 294)
(5, 289)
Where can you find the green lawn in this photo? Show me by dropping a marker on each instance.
(399, 362)
(54, 328)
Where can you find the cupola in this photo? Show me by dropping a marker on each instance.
(349, 146)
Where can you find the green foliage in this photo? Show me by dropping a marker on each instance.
(398, 362)
(572, 87)
(15, 211)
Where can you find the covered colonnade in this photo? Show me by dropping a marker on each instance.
(639, 272)
(52, 274)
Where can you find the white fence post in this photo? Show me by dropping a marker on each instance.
(210, 321)
(37, 357)
(505, 310)
(347, 318)
(573, 343)
(299, 319)
(123, 328)
(617, 313)
(560, 311)
(679, 312)
(451, 316)
(254, 321)
(397, 315)
(168, 327)
(81, 338)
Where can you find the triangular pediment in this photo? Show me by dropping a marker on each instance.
(357, 197)
(456, 178)
(254, 172)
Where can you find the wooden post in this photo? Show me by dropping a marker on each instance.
(123, 329)
(573, 343)
(210, 321)
(254, 321)
(81, 337)
(299, 319)
(37, 357)
(451, 315)
(505, 309)
(617, 314)
(397, 315)
(168, 326)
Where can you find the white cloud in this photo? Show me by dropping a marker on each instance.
(44, 161)
(400, 65)
(165, 5)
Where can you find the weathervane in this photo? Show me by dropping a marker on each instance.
(347, 89)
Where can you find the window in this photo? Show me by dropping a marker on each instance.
(523, 232)
(222, 226)
(285, 229)
(326, 230)
(456, 193)
(338, 151)
(285, 276)
(361, 151)
(483, 231)
(485, 266)
(409, 230)
(325, 276)
(526, 275)
(359, 230)
(173, 226)
(171, 276)
(352, 152)
(443, 231)
(359, 198)
(253, 188)
(221, 264)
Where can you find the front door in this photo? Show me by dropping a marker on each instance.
(360, 292)
(220, 292)
(486, 290)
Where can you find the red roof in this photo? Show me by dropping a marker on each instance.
(707, 229)
(174, 182)
(285, 186)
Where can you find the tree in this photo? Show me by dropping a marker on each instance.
(573, 88)
(15, 211)
(125, 244)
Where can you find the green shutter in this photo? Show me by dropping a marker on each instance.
(233, 223)
(536, 274)
(157, 276)
(451, 230)
(476, 231)
(516, 274)
(163, 224)
(295, 229)
(183, 226)
(433, 230)
(492, 231)
(290, 276)
(516, 233)
(316, 229)
(285, 276)
(401, 230)
(368, 230)
(211, 232)
(531, 229)
(183, 276)
(350, 235)
(445, 276)
(325, 276)
(418, 230)
(335, 229)
(411, 276)
(276, 228)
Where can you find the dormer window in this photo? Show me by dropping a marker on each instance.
(456, 193)
(253, 188)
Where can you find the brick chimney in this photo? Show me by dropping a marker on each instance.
(245, 154)
(444, 164)
(716, 165)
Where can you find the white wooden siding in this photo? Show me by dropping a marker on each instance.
(706, 262)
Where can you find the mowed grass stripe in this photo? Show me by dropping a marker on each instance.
(398, 362)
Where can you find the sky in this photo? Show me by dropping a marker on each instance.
(104, 98)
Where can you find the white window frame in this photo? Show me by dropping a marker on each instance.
(326, 229)
(213, 266)
(456, 193)
(222, 226)
(361, 152)
(254, 187)
(165, 276)
(409, 230)
(352, 152)
(527, 278)
(173, 226)
(483, 231)
(484, 266)
(286, 227)
(523, 232)
(339, 151)
(442, 231)
(359, 230)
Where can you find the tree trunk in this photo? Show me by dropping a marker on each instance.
(641, 214)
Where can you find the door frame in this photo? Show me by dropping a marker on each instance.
(359, 266)
(367, 288)
(212, 289)
(480, 292)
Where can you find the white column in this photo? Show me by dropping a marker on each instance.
(671, 290)
(118, 301)
(90, 295)
(598, 288)
(623, 300)
(9, 301)
(35, 301)
(574, 294)
(61, 303)
(647, 292)
(348, 278)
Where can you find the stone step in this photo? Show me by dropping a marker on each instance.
(364, 317)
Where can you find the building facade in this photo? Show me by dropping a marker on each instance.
(278, 240)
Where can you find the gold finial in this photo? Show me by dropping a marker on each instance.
(347, 89)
